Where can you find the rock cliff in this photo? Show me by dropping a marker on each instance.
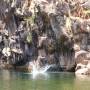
(45, 31)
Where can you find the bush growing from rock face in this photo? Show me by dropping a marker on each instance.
(29, 38)
(65, 44)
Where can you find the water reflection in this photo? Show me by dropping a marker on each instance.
(82, 82)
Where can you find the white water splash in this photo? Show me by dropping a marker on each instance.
(36, 70)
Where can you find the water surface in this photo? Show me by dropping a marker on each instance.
(11, 80)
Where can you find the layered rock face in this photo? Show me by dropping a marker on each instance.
(45, 31)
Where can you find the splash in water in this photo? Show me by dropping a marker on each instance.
(36, 69)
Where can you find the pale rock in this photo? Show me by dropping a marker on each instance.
(81, 71)
(88, 66)
(76, 47)
(6, 51)
(79, 53)
(88, 56)
(15, 50)
(41, 39)
(86, 4)
(81, 65)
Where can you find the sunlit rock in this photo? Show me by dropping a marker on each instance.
(88, 56)
(79, 53)
(76, 47)
(82, 71)
(42, 39)
(80, 66)
(86, 4)
(88, 65)
(6, 51)
(16, 50)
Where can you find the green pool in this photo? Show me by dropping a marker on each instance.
(11, 80)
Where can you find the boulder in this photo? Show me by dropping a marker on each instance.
(16, 50)
(83, 65)
(82, 71)
(6, 51)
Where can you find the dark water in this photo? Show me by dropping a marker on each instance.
(10, 80)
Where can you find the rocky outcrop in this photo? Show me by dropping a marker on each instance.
(45, 31)
(83, 63)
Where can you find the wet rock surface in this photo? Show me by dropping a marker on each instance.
(47, 32)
